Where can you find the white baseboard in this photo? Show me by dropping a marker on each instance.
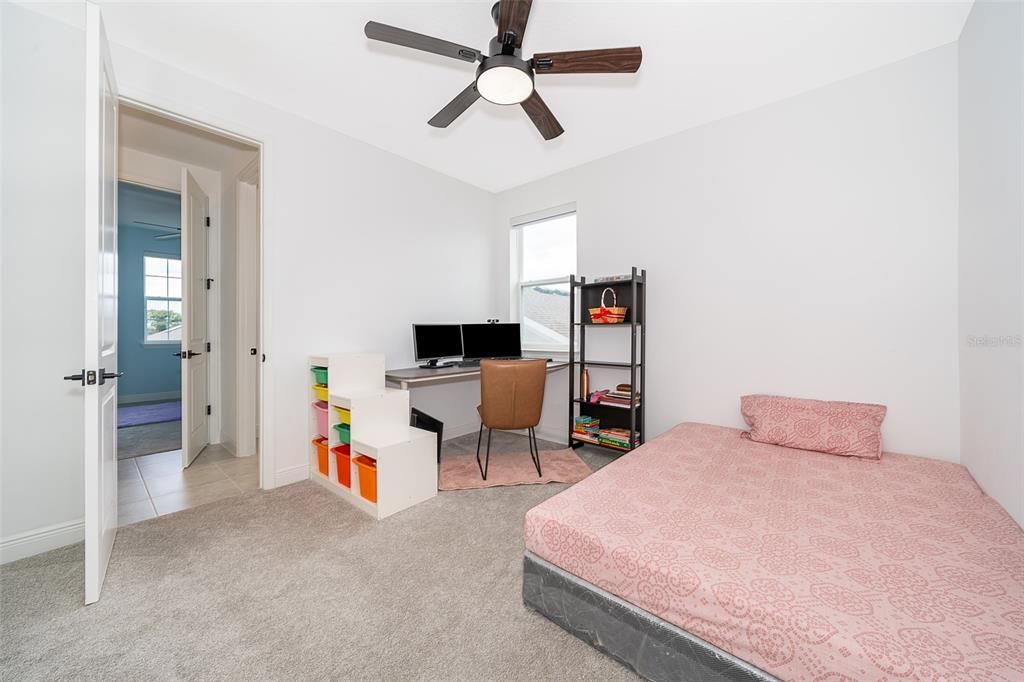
(41, 540)
(560, 437)
(291, 475)
(456, 430)
(148, 397)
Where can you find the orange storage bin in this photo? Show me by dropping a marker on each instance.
(323, 463)
(367, 477)
(343, 455)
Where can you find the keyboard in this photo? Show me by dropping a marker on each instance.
(476, 363)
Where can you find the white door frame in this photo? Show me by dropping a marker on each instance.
(144, 102)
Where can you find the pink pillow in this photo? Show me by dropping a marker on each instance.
(835, 428)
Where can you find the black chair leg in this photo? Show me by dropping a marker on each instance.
(487, 461)
(479, 439)
(534, 450)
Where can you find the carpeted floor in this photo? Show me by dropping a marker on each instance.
(295, 584)
(133, 441)
(460, 471)
(138, 414)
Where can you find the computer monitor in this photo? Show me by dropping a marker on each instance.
(481, 341)
(435, 341)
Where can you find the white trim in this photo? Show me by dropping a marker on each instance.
(459, 430)
(155, 103)
(251, 173)
(544, 214)
(41, 540)
(144, 181)
(551, 436)
(291, 475)
(123, 399)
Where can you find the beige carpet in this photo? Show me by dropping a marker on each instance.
(295, 584)
(461, 472)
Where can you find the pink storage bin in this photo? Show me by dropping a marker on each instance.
(320, 407)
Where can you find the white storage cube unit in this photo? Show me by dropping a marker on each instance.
(406, 457)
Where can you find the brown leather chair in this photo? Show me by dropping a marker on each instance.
(511, 398)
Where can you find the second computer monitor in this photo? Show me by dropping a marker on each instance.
(480, 341)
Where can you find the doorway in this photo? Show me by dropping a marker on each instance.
(149, 320)
(188, 291)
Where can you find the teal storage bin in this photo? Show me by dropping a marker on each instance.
(320, 373)
(344, 433)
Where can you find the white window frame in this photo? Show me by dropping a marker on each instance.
(517, 285)
(146, 341)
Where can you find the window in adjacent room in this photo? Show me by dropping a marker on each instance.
(163, 299)
(544, 255)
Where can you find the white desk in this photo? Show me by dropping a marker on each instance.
(414, 377)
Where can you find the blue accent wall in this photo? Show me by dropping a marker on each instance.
(148, 369)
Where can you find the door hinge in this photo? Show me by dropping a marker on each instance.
(207, 346)
(207, 221)
(209, 410)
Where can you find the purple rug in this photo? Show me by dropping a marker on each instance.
(151, 413)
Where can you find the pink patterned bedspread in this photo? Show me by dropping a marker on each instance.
(808, 566)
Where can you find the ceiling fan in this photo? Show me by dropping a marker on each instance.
(503, 76)
(174, 232)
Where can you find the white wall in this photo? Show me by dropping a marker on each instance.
(41, 270)
(806, 248)
(358, 244)
(991, 66)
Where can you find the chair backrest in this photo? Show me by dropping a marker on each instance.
(511, 393)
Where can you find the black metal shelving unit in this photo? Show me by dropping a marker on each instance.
(632, 293)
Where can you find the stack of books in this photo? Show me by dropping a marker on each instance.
(587, 426)
(617, 437)
(621, 396)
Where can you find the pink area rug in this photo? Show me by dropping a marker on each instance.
(460, 472)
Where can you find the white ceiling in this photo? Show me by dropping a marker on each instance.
(702, 61)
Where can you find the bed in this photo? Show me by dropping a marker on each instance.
(704, 555)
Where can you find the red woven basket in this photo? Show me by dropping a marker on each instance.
(613, 314)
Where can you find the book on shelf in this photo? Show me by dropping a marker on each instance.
(615, 397)
(617, 437)
(612, 278)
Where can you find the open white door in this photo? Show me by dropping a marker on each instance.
(100, 305)
(195, 365)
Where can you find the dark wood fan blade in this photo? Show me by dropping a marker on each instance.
(418, 41)
(613, 60)
(512, 17)
(454, 109)
(542, 117)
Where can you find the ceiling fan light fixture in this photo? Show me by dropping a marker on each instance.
(504, 79)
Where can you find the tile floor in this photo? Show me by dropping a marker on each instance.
(155, 485)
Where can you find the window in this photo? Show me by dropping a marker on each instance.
(163, 299)
(544, 253)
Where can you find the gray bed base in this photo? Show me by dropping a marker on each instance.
(655, 649)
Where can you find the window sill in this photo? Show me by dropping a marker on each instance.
(553, 353)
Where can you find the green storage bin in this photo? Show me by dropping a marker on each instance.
(344, 433)
(320, 373)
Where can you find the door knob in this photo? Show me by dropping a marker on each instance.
(179, 354)
(76, 377)
(192, 354)
(104, 375)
